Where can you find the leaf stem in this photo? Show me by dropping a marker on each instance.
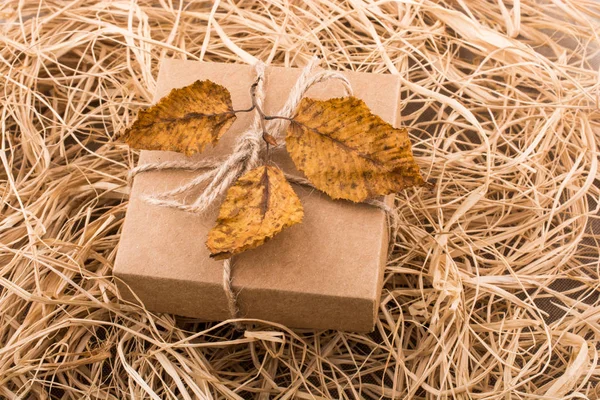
(258, 109)
(269, 140)
(272, 117)
(243, 111)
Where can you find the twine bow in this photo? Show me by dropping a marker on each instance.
(221, 173)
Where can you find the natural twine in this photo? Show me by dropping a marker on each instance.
(223, 172)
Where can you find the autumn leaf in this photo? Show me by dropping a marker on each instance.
(184, 121)
(348, 152)
(259, 205)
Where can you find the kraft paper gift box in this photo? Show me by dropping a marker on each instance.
(325, 273)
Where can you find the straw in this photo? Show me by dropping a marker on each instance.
(502, 102)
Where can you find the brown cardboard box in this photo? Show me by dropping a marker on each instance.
(324, 273)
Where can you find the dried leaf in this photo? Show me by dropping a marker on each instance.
(258, 206)
(348, 152)
(184, 121)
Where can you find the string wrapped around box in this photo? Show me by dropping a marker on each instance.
(220, 173)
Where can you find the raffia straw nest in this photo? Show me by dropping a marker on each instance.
(501, 98)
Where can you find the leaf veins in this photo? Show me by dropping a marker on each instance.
(348, 152)
(258, 206)
(184, 121)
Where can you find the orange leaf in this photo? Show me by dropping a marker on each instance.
(348, 152)
(259, 205)
(184, 121)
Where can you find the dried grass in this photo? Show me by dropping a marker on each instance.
(502, 100)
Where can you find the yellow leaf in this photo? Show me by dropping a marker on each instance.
(184, 121)
(259, 205)
(348, 152)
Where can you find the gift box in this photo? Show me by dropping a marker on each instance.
(325, 273)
